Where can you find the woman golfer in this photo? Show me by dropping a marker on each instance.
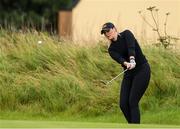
(125, 49)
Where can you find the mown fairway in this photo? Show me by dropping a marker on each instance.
(66, 124)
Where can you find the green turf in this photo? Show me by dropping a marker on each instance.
(70, 124)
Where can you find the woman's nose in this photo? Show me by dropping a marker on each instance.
(109, 37)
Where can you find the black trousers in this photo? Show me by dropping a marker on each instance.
(134, 85)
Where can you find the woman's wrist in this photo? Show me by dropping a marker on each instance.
(131, 58)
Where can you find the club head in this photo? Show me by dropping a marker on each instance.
(104, 82)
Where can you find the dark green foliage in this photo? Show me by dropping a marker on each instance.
(38, 14)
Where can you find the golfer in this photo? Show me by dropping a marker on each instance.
(125, 49)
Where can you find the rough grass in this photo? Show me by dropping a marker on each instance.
(61, 77)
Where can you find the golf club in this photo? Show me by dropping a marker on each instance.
(106, 83)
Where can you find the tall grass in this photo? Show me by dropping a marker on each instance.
(59, 76)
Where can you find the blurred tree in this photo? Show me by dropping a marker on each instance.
(37, 14)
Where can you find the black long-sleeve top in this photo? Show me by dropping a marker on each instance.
(125, 46)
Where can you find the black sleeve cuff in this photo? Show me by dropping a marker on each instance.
(131, 52)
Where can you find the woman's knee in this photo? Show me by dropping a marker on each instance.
(133, 103)
(123, 105)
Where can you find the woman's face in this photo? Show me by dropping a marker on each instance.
(111, 34)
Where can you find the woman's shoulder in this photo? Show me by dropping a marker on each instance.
(126, 31)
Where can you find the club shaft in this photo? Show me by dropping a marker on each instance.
(117, 76)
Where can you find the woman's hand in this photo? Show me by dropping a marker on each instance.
(132, 62)
(130, 65)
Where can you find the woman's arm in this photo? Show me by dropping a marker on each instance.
(130, 40)
(116, 56)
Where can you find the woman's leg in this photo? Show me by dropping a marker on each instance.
(139, 85)
(124, 97)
